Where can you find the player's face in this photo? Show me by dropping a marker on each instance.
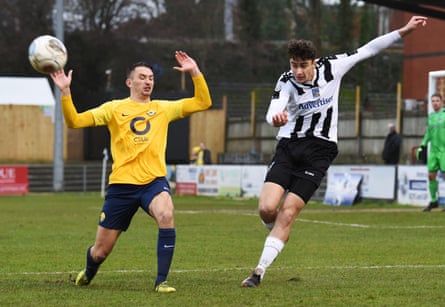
(436, 103)
(141, 82)
(303, 70)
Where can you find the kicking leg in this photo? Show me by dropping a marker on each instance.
(268, 204)
(277, 238)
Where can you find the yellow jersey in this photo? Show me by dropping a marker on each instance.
(138, 131)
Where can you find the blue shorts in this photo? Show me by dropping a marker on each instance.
(123, 200)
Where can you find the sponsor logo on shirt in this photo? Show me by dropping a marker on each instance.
(315, 104)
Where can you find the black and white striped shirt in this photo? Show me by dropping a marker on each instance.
(313, 108)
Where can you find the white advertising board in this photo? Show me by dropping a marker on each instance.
(378, 181)
(186, 180)
(413, 185)
(220, 180)
(209, 180)
(342, 189)
(252, 179)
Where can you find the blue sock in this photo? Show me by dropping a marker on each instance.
(166, 247)
(92, 266)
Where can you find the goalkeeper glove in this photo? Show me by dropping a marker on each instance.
(420, 152)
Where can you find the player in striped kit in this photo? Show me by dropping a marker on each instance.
(305, 107)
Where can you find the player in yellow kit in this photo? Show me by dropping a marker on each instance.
(138, 129)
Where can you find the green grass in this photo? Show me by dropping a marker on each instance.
(371, 254)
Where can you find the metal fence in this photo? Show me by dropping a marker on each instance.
(242, 99)
(82, 177)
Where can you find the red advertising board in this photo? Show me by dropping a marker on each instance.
(14, 180)
(186, 188)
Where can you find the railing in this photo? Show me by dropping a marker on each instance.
(77, 177)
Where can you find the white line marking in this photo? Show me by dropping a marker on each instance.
(370, 226)
(295, 268)
(245, 213)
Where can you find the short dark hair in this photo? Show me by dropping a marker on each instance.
(137, 64)
(437, 95)
(303, 49)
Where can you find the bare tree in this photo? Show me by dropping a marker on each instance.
(345, 25)
(105, 15)
(306, 19)
(21, 21)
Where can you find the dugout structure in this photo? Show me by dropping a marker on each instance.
(26, 120)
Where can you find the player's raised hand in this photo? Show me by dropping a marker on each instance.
(186, 63)
(413, 24)
(62, 81)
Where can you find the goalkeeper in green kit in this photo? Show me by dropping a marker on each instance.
(435, 136)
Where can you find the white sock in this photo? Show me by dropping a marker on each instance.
(272, 247)
(268, 226)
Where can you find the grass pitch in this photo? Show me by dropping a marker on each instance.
(371, 254)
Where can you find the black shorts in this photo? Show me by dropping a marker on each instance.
(299, 165)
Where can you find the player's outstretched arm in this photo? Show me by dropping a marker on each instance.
(186, 64)
(72, 118)
(384, 41)
(201, 99)
(413, 23)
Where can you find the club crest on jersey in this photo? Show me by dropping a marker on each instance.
(151, 113)
(315, 92)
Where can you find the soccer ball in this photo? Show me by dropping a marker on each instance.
(47, 54)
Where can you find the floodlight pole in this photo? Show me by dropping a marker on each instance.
(58, 164)
(229, 6)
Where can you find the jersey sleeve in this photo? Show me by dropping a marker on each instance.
(103, 113)
(373, 47)
(74, 119)
(378, 44)
(280, 98)
(201, 99)
(426, 138)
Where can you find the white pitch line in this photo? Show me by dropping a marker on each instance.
(238, 212)
(296, 268)
(370, 226)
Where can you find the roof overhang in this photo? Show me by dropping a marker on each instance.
(430, 8)
(26, 91)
